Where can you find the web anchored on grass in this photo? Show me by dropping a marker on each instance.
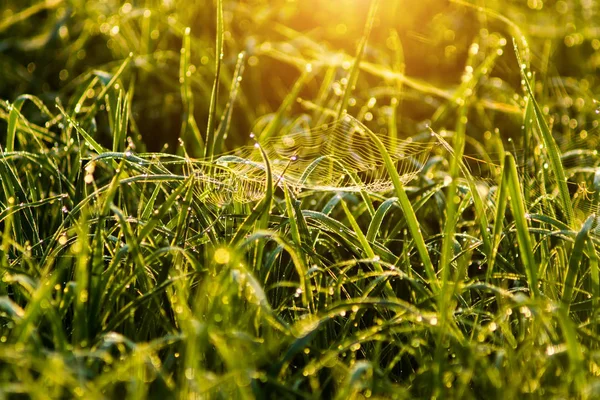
(338, 156)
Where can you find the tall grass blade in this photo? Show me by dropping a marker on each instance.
(214, 97)
(522, 227)
(554, 157)
(575, 261)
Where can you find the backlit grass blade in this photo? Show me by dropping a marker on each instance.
(366, 246)
(576, 360)
(594, 272)
(409, 214)
(115, 121)
(28, 12)
(575, 261)
(381, 213)
(190, 133)
(550, 146)
(225, 123)
(214, 98)
(501, 202)
(82, 280)
(164, 208)
(182, 226)
(15, 193)
(108, 86)
(292, 217)
(353, 75)
(118, 319)
(149, 206)
(453, 200)
(478, 202)
(26, 325)
(15, 115)
(262, 208)
(87, 137)
(522, 227)
(275, 124)
(400, 69)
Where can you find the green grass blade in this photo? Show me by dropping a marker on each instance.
(523, 237)
(275, 124)
(261, 209)
(554, 158)
(575, 261)
(366, 246)
(189, 129)
(409, 214)
(353, 75)
(382, 211)
(225, 123)
(501, 202)
(214, 98)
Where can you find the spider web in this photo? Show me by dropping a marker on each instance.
(339, 156)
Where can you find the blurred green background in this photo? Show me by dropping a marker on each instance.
(47, 47)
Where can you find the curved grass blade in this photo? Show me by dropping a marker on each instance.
(262, 208)
(366, 246)
(575, 261)
(15, 114)
(382, 211)
(523, 237)
(409, 213)
(550, 146)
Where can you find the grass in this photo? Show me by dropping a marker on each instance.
(415, 213)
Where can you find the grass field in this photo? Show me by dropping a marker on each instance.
(299, 199)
